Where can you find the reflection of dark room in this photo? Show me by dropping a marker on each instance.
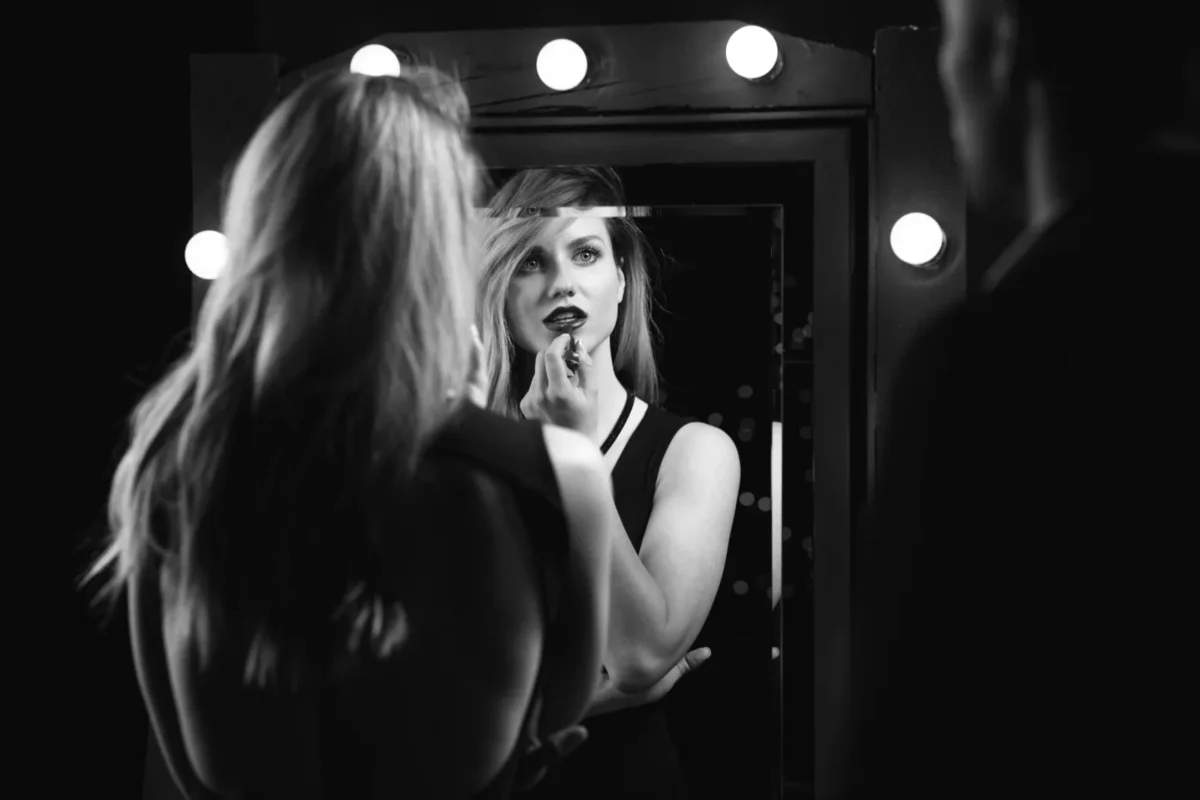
(717, 364)
(732, 302)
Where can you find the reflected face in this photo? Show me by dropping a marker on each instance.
(569, 282)
(987, 122)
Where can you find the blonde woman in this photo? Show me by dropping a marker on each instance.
(339, 582)
(561, 288)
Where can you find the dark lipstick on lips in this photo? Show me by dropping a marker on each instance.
(567, 319)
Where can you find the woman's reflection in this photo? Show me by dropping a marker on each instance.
(548, 282)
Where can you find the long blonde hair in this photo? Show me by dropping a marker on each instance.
(509, 235)
(260, 465)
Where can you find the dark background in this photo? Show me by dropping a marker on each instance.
(99, 233)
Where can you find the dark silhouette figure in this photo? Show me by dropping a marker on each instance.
(1029, 619)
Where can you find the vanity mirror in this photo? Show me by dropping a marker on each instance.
(735, 237)
(761, 189)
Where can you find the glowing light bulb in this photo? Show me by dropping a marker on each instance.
(752, 52)
(562, 65)
(206, 254)
(375, 59)
(917, 239)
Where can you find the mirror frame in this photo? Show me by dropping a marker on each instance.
(760, 138)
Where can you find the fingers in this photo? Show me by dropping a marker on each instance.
(560, 344)
(555, 748)
(694, 659)
(539, 376)
(539, 372)
(478, 386)
(565, 741)
(584, 373)
(477, 349)
(686, 665)
(558, 378)
(532, 398)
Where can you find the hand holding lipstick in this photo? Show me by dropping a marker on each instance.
(556, 395)
(477, 389)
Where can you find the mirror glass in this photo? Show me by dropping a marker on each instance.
(734, 317)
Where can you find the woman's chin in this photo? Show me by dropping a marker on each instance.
(553, 335)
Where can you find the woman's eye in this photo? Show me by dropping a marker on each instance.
(587, 255)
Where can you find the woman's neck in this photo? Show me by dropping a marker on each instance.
(611, 394)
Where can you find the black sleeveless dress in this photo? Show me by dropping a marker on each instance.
(628, 753)
(513, 452)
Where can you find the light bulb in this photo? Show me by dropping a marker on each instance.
(917, 239)
(206, 254)
(752, 52)
(375, 60)
(562, 65)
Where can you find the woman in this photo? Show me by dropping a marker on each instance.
(551, 281)
(340, 582)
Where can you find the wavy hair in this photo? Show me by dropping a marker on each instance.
(511, 227)
(260, 466)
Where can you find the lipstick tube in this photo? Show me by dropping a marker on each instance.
(571, 355)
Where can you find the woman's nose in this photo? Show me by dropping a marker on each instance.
(562, 280)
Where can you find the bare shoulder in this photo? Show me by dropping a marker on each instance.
(704, 436)
(699, 440)
(701, 457)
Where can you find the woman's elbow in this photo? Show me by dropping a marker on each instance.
(631, 684)
(635, 676)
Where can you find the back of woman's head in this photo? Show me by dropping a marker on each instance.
(515, 218)
(322, 362)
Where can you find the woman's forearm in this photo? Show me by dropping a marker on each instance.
(637, 618)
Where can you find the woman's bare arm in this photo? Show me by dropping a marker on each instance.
(572, 662)
(663, 592)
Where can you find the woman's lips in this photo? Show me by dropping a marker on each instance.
(568, 325)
